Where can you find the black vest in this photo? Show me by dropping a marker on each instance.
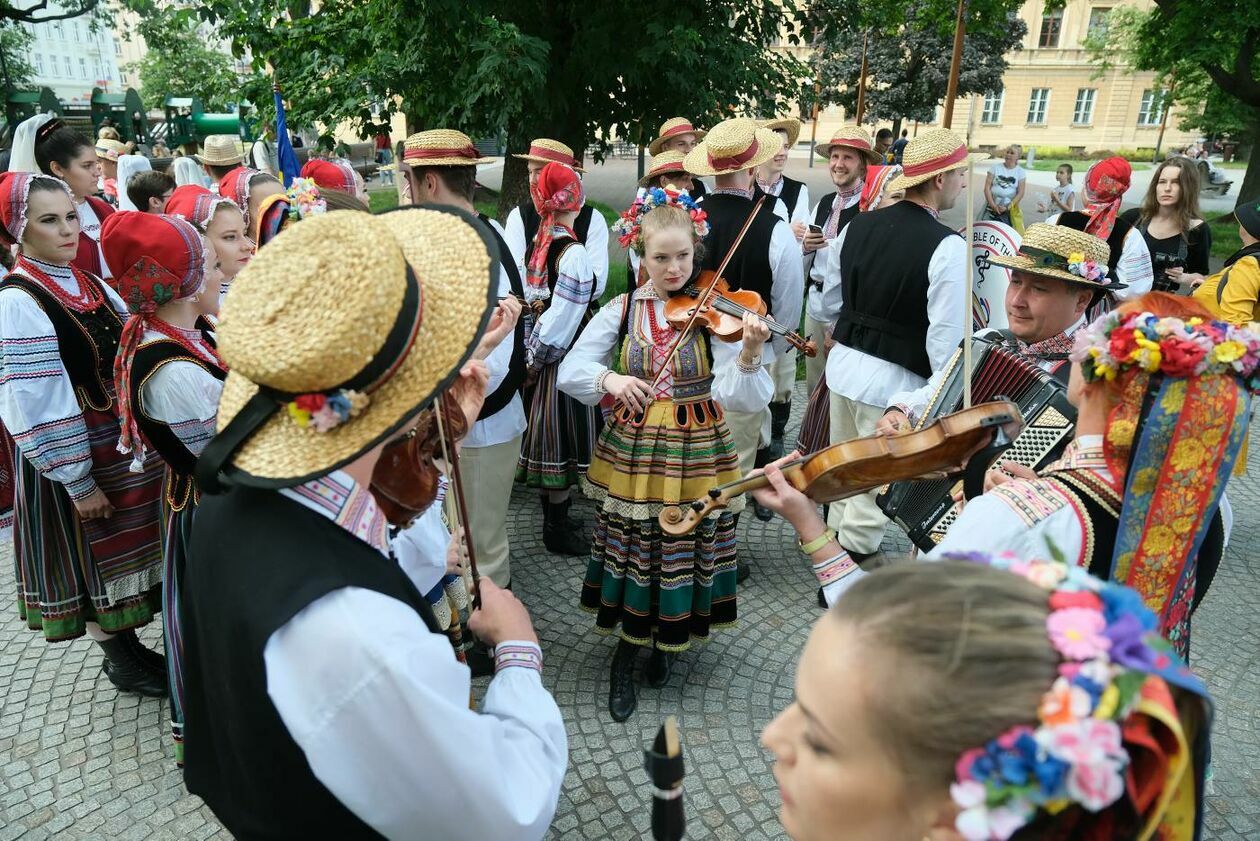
(88, 341)
(824, 211)
(884, 278)
(511, 384)
(1077, 220)
(255, 560)
(531, 220)
(790, 194)
(750, 266)
(148, 359)
(697, 188)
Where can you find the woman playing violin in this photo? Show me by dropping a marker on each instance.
(666, 443)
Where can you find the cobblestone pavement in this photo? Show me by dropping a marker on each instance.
(78, 760)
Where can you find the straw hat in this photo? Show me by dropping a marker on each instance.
(855, 138)
(666, 163)
(1061, 253)
(930, 154)
(110, 150)
(789, 124)
(732, 146)
(221, 150)
(443, 147)
(544, 150)
(303, 336)
(670, 129)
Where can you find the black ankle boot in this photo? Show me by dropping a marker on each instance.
(127, 672)
(660, 666)
(760, 511)
(622, 694)
(558, 536)
(152, 661)
(779, 415)
(574, 523)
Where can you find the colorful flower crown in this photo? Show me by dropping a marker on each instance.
(323, 412)
(629, 228)
(1106, 637)
(1115, 343)
(304, 198)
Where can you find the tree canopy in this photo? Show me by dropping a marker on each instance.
(41, 11)
(15, 42)
(179, 62)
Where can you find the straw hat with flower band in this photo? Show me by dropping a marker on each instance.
(671, 128)
(221, 150)
(666, 163)
(445, 147)
(110, 150)
(544, 150)
(1061, 253)
(789, 125)
(931, 154)
(327, 363)
(733, 146)
(855, 138)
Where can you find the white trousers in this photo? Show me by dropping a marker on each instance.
(858, 522)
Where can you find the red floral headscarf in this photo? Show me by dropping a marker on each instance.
(1105, 186)
(557, 190)
(877, 179)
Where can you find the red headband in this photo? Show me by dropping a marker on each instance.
(935, 164)
(735, 161)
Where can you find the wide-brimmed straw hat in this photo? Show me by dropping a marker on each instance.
(666, 163)
(443, 147)
(1063, 254)
(108, 149)
(325, 363)
(221, 150)
(854, 137)
(733, 145)
(791, 125)
(544, 150)
(932, 153)
(670, 129)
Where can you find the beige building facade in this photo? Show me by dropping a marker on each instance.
(1050, 97)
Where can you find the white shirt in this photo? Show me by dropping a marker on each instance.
(379, 706)
(184, 396)
(817, 263)
(787, 286)
(90, 224)
(596, 245)
(800, 212)
(1134, 267)
(554, 331)
(871, 380)
(262, 154)
(508, 422)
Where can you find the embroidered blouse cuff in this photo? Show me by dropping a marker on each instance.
(748, 369)
(904, 409)
(837, 574)
(600, 379)
(81, 488)
(515, 654)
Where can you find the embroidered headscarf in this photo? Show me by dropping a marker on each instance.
(557, 190)
(1172, 437)
(15, 190)
(196, 204)
(330, 175)
(235, 186)
(877, 180)
(155, 259)
(1105, 186)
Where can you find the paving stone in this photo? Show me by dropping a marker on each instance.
(79, 760)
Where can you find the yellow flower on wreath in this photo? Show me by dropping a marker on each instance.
(1228, 351)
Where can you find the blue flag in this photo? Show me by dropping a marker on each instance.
(286, 158)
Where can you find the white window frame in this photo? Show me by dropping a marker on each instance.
(1148, 115)
(1033, 104)
(992, 116)
(1084, 116)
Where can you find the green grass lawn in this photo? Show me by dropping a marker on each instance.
(1225, 239)
(1231, 165)
(1078, 167)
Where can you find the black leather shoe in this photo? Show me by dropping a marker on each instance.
(761, 512)
(660, 666)
(126, 671)
(152, 661)
(622, 693)
(742, 571)
(558, 536)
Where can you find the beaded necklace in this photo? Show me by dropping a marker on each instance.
(90, 295)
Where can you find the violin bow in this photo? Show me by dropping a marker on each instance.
(451, 454)
(730, 253)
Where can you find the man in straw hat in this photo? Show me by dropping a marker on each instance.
(321, 700)
(441, 166)
(677, 134)
(522, 223)
(767, 261)
(220, 154)
(108, 152)
(894, 285)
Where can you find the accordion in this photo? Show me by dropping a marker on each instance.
(924, 508)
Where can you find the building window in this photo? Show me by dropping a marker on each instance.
(1037, 103)
(117, 48)
(1051, 23)
(1083, 114)
(65, 62)
(992, 113)
(83, 68)
(1097, 24)
(57, 28)
(39, 64)
(1151, 111)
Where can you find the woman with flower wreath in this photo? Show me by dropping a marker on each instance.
(168, 375)
(1163, 394)
(86, 528)
(665, 444)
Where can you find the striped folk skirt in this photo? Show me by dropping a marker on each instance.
(815, 433)
(71, 571)
(174, 558)
(661, 589)
(556, 448)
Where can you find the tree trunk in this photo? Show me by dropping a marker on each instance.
(515, 187)
(1249, 190)
(896, 128)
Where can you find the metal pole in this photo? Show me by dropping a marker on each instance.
(955, 65)
(861, 95)
(813, 131)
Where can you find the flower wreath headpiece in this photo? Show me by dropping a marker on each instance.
(304, 198)
(1106, 638)
(630, 226)
(1116, 343)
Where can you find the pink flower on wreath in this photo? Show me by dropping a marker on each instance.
(324, 418)
(1077, 633)
(1087, 741)
(1096, 786)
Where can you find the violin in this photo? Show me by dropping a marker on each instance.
(969, 440)
(406, 478)
(720, 310)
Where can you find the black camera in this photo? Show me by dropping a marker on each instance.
(1162, 263)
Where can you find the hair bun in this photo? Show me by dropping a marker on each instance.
(42, 133)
